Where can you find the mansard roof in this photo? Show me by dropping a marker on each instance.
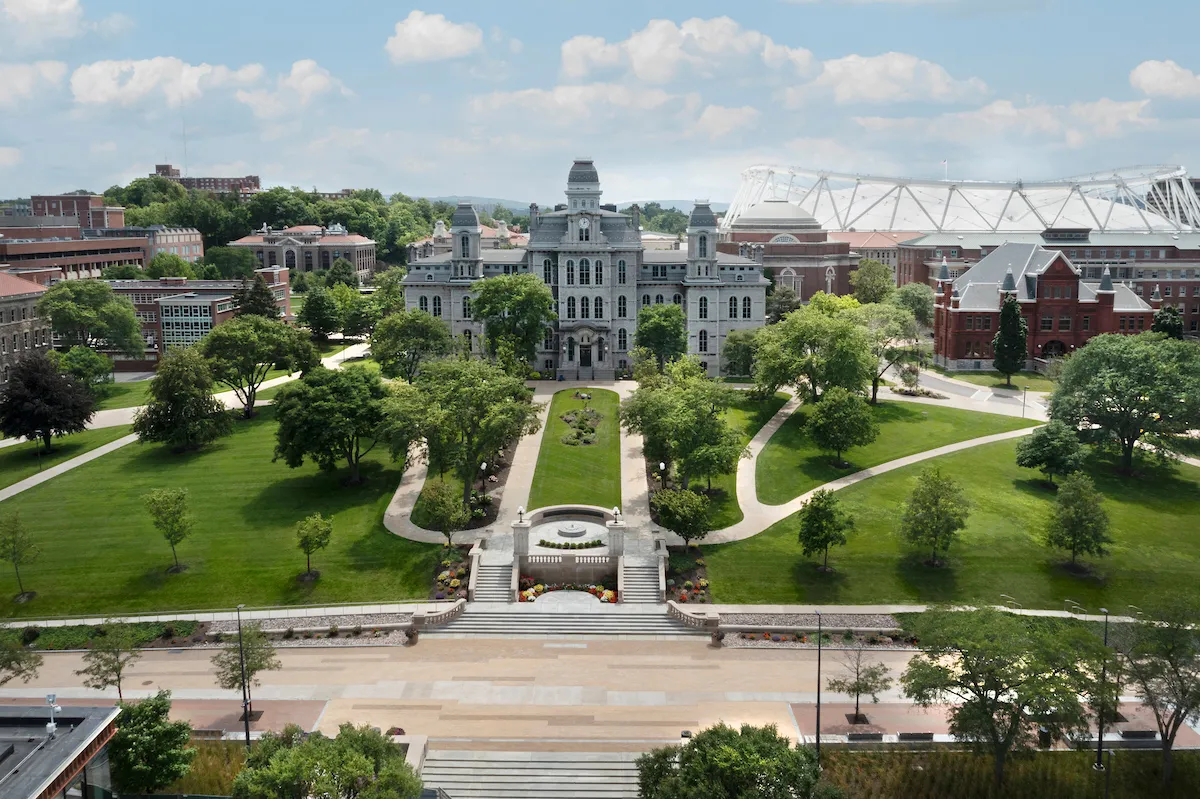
(465, 216)
(583, 171)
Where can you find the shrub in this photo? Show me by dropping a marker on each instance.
(29, 635)
(168, 631)
(290, 632)
(333, 631)
(308, 634)
(687, 584)
(357, 630)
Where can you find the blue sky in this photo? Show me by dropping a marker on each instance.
(671, 99)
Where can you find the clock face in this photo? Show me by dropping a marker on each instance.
(584, 223)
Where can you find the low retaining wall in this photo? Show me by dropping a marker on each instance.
(570, 568)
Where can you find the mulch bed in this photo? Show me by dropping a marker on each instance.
(686, 564)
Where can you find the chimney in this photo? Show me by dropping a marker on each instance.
(636, 213)
(533, 217)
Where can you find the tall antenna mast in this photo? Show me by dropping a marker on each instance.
(183, 123)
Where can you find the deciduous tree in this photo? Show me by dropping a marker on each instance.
(443, 505)
(662, 329)
(840, 421)
(683, 512)
(112, 654)
(255, 298)
(783, 301)
(1168, 321)
(17, 548)
(313, 534)
(87, 366)
(122, 272)
(813, 350)
(860, 676)
(892, 332)
(241, 352)
(258, 654)
(405, 339)
(87, 312)
(149, 751)
(320, 313)
(341, 271)
(17, 662)
(388, 297)
(39, 402)
(934, 513)
(514, 309)
(918, 299)
(872, 281)
(182, 412)
(168, 509)
(165, 264)
(737, 354)
(823, 524)
(1054, 448)
(232, 262)
(1078, 521)
(1010, 344)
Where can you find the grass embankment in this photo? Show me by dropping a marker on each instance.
(791, 465)
(20, 461)
(101, 555)
(747, 416)
(584, 474)
(1153, 516)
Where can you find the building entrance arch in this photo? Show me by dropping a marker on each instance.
(1054, 349)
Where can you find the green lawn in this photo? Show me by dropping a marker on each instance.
(589, 474)
(124, 395)
(790, 465)
(1035, 381)
(1154, 522)
(747, 416)
(21, 460)
(100, 554)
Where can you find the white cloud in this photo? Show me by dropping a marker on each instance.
(1164, 79)
(48, 19)
(431, 37)
(128, 82)
(573, 102)
(103, 147)
(718, 121)
(293, 91)
(887, 78)
(9, 156)
(21, 81)
(658, 52)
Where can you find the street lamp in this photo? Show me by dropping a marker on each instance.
(242, 660)
(819, 629)
(1024, 393)
(482, 475)
(1103, 688)
(662, 473)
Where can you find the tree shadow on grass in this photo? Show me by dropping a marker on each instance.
(324, 492)
(819, 587)
(928, 583)
(820, 468)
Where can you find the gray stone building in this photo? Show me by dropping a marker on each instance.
(596, 265)
(21, 330)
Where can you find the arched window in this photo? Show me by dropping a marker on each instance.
(829, 276)
(466, 307)
(570, 307)
(658, 299)
(437, 306)
(585, 308)
(467, 339)
(429, 277)
(547, 272)
(621, 272)
(599, 274)
(645, 300)
(733, 307)
(465, 246)
(622, 340)
(622, 308)
(289, 259)
(585, 233)
(677, 299)
(745, 307)
(585, 272)
(423, 303)
(703, 249)
(570, 273)
(599, 305)
(704, 340)
(703, 309)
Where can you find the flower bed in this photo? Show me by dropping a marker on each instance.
(808, 638)
(531, 590)
(453, 575)
(687, 576)
(583, 423)
(571, 544)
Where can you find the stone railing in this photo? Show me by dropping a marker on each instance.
(569, 568)
(621, 579)
(514, 581)
(702, 619)
(476, 555)
(422, 620)
(660, 549)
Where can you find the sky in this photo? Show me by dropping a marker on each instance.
(672, 99)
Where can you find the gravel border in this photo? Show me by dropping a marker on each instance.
(388, 638)
(804, 621)
(735, 641)
(344, 623)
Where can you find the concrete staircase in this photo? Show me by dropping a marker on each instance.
(496, 620)
(494, 583)
(478, 774)
(640, 584)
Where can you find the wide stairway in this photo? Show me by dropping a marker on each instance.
(479, 774)
(494, 583)
(640, 584)
(490, 619)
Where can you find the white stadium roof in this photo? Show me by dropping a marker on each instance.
(1146, 198)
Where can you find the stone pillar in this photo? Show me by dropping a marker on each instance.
(616, 538)
(520, 538)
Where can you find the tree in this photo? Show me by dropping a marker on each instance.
(360, 317)
(122, 272)
(87, 366)
(833, 304)
(514, 309)
(1131, 388)
(165, 264)
(860, 676)
(320, 313)
(39, 402)
(738, 353)
(783, 301)
(313, 534)
(1054, 448)
(841, 420)
(662, 329)
(814, 348)
(360, 763)
(1001, 676)
(683, 512)
(258, 654)
(892, 331)
(474, 410)
(1168, 321)
(245, 349)
(934, 513)
(17, 662)
(17, 548)
(723, 763)
(149, 751)
(1161, 659)
(389, 291)
(443, 505)
(182, 412)
(823, 524)
(341, 271)
(254, 298)
(401, 341)
(87, 312)
(1010, 344)
(872, 281)
(404, 426)
(232, 262)
(168, 509)
(330, 416)
(1077, 521)
(112, 654)
(918, 299)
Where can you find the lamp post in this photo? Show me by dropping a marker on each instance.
(482, 475)
(819, 631)
(662, 473)
(1103, 689)
(242, 660)
(1024, 393)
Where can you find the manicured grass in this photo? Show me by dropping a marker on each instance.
(791, 465)
(747, 416)
(21, 460)
(1035, 381)
(100, 553)
(1154, 520)
(124, 395)
(588, 474)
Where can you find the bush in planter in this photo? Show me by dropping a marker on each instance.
(333, 631)
(29, 635)
(290, 632)
(357, 630)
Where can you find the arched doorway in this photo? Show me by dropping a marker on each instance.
(1054, 349)
(829, 278)
(289, 260)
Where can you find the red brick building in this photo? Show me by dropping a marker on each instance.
(89, 208)
(47, 260)
(1061, 309)
(249, 184)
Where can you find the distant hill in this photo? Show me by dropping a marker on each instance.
(517, 206)
(679, 205)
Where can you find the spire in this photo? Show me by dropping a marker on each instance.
(1106, 281)
(1157, 295)
(944, 273)
(1009, 286)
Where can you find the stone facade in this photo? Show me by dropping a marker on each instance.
(310, 248)
(21, 330)
(600, 273)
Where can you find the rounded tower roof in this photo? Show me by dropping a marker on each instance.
(702, 215)
(776, 215)
(583, 171)
(465, 216)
